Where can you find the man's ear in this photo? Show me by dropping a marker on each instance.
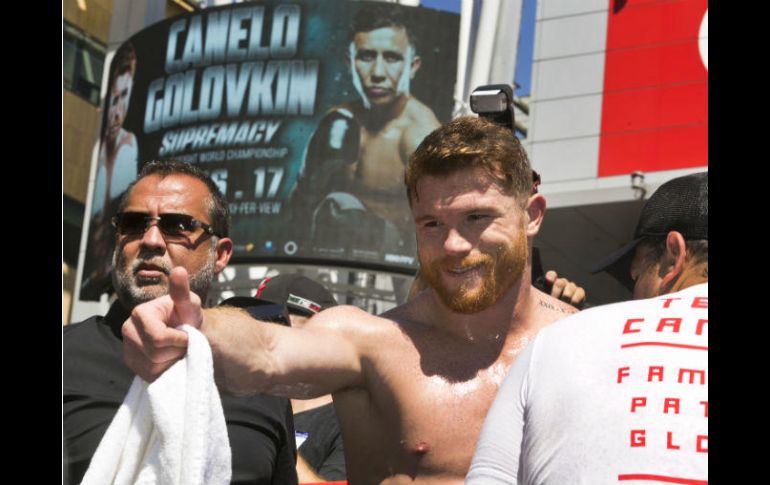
(535, 213)
(224, 252)
(672, 262)
(416, 63)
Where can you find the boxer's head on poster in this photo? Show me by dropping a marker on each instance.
(382, 55)
(122, 72)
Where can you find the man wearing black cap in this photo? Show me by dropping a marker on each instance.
(617, 392)
(319, 440)
(673, 228)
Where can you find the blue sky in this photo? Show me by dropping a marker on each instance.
(526, 38)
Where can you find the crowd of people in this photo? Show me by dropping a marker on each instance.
(479, 377)
(411, 388)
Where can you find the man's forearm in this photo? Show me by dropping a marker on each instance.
(239, 345)
(251, 356)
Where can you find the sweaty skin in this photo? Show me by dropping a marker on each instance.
(412, 405)
(411, 387)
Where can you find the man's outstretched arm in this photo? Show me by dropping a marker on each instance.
(301, 363)
(249, 356)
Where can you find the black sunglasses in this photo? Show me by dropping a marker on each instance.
(171, 225)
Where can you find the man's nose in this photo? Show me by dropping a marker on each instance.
(378, 69)
(455, 243)
(153, 238)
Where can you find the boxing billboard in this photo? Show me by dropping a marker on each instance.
(302, 112)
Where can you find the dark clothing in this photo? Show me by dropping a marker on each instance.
(322, 448)
(96, 381)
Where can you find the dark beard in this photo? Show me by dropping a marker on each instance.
(131, 293)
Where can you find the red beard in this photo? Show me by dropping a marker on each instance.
(499, 271)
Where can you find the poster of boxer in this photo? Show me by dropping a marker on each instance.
(304, 113)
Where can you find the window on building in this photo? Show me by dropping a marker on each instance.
(83, 63)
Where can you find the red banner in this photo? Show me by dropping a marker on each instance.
(655, 105)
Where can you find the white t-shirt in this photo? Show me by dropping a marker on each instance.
(613, 394)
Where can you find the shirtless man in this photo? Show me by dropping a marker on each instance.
(117, 164)
(360, 148)
(412, 386)
(118, 151)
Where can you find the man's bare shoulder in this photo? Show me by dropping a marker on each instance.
(352, 321)
(412, 315)
(416, 122)
(420, 113)
(126, 138)
(549, 308)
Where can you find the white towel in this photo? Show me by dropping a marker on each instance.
(170, 432)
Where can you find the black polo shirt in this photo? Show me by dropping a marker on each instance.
(95, 382)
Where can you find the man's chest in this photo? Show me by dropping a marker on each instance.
(432, 408)
(93, 368)
(381, 151)
(438, 403)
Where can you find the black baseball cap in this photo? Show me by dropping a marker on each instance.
(681, 204)
(300, 294)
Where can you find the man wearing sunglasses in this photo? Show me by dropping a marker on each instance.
(173, 215)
